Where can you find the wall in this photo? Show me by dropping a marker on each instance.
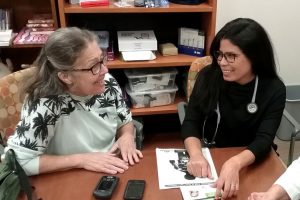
(281, 18)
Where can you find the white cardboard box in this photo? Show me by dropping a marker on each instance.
(137, 40)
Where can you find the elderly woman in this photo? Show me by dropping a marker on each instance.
(74, 115)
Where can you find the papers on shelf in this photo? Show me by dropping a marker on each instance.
(172, 170)
(5, 37)
(138, 55)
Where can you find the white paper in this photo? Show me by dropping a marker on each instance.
(138, 55)
(171, 167)
(198, 192)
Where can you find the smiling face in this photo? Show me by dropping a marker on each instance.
(82, 82)
(240, 70)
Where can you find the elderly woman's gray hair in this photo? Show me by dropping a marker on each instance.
(60, 52)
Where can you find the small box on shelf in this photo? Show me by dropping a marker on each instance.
(5, 19)
(137, 40)
(191, 42)
(5, 37)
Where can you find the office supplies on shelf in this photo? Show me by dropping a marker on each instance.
(168, 49)
(137, 40)
(93, 3)
(191, 41)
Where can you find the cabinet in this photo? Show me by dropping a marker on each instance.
(165, 23)
(22, 10)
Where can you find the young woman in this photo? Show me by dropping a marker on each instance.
(238, 100)
(74, 115)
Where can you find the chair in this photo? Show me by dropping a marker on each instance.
(289, 128)
(196, 66)
(10, 102)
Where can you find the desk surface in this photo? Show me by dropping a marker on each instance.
(79, 184)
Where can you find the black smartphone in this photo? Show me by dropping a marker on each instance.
(105, 187)
(134, 190)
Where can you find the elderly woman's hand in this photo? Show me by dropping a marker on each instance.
(127, 148)
(103, 162)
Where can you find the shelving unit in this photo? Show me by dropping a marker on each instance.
(22, 10)
(165, 23)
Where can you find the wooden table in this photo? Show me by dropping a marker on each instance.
(79, 184)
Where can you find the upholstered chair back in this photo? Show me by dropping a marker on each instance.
(10, 102)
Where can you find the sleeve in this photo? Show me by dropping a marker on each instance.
(32, 135)
(123, 112)
(270, 122)
(193, 120)
(289, 181)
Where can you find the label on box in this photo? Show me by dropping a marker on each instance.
(158, 80)
(160, 99)
(137, 40)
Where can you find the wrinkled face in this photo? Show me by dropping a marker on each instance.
(235, 66)
(87, 77)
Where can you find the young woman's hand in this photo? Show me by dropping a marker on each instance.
(228, 180)
(199, 167)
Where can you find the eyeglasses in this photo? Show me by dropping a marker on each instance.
(211, 124)
(229, 57)
(95, 68)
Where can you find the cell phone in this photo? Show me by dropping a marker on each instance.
(105, 187)
(134, 190)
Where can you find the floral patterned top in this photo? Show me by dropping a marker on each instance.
(67, 124)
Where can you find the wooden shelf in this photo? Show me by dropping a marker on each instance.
(160, 61)
(165, 22)
(26, 46)
(168, 109)
(204, 7)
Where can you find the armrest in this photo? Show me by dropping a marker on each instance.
(294, 122)
(181, 107)
(139, 136)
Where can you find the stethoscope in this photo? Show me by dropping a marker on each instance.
(251, 108)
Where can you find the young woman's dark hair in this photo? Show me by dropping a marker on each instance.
(253, 41)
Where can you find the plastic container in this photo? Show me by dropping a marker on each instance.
(292, 105)
(143, 99)
(151, 79)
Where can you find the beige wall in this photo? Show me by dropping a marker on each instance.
(281, 18)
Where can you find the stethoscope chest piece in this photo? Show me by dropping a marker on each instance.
(252, 108)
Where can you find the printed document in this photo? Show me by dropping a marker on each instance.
(172, 169)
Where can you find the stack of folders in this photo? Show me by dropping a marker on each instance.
(37, 30)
